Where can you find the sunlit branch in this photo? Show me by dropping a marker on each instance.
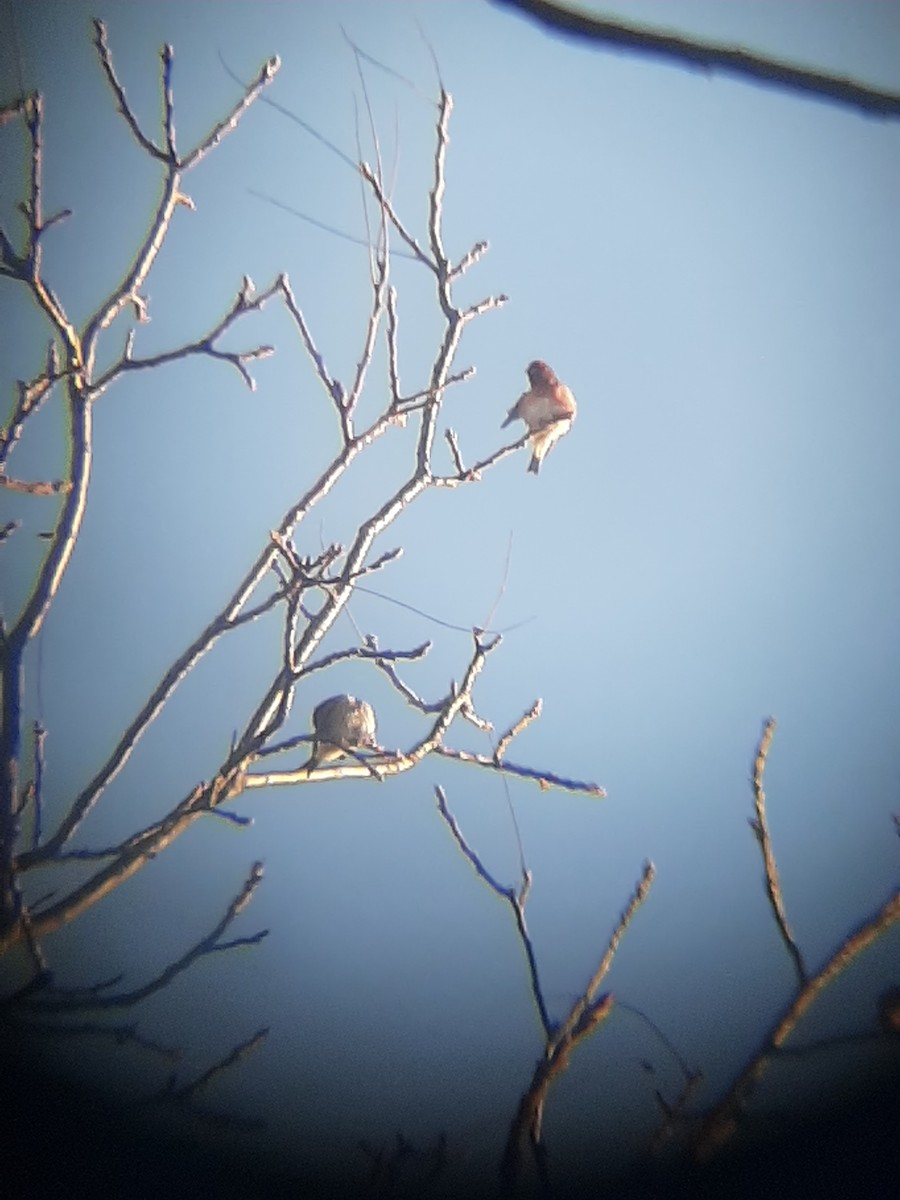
(397, 763)
(31, 396)
(545, 779)
(475, 472)
(372, 180)
(245, 302)
(760, 827)
(450, 439)
(514, 730)
(331, 385)
(105, 56)
(53, 487)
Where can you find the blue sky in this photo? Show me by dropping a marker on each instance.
(713, 269)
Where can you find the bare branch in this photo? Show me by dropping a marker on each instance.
(393, 368)
(581, 1014)
(40, 737)
(475, 472)
(514, 730)
(710, 57)
(330, 384)
(31, 396)
(429, 393)
(436, 205)
(378, 303)
(544, 779)
(760, 828)
(60, 1001)
(122, 1035)
(51, 487)
(370, 178)
(516, 902)
(118, 91)
(10, 111)
(450, 439)
(587, 1013)
(246, 302)
(720, 1125)
(396, 763)
(469, 259)
(267, 73)
(188, 1091)
(339, 233)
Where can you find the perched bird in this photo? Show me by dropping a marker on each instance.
(342, 724)
(547, 408)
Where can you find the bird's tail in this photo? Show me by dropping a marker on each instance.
(535, 465)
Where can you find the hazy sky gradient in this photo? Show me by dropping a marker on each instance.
(714, 269)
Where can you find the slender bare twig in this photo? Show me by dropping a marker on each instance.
(514, 730)
(332, 387)
(405, 402)
(184, 1095)
(392, 356)
(40, 737)
(339, 233)
(222, 128)
(122, 1035)
(371, 178)
(59, 1000)
(105, 56)
(469, 259)
(450, 439)
(544, 779)
(31, 396)
(760, 827)
(474, 473)
(515, 900)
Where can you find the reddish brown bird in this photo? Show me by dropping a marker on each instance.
(547, 408)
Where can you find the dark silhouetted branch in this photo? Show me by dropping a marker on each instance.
(708, 57)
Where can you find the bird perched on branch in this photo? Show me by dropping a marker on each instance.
(342, 725)
(547, 408)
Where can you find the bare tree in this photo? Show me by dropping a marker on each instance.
(309, 593)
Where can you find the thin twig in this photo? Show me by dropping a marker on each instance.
(514, 730)
(760, 828)
(58, 1001)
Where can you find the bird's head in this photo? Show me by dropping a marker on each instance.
(540, 375)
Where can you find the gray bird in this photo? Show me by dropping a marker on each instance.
(342, 724)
